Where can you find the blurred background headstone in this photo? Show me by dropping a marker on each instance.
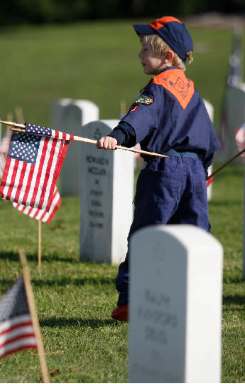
(69, 116)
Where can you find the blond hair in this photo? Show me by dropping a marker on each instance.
(159, 48)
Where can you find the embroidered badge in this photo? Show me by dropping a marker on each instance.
(144, 99)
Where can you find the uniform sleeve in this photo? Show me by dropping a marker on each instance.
(144, 113)
(124, 134)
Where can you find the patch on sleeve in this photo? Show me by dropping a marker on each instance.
(144, 99)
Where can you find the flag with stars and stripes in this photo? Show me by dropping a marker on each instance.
(33, 165)
(41, 214)
(16, 330)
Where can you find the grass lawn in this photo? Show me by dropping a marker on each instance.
(94, 61)
(75, 299)
(98, 62)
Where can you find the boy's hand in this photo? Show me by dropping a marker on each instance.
(107, 142)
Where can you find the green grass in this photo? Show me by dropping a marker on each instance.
(75, 299)
(94, 61)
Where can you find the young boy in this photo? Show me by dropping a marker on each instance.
(168, 117)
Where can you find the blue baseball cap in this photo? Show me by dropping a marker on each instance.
(172, 31)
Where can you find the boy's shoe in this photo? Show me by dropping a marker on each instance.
(120, 313)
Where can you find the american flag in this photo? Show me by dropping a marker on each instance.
(33, 165)
(41, 214)
(16, 331)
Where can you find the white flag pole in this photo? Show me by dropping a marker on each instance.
(21, 128)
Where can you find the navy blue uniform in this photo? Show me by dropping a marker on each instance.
(169, 117)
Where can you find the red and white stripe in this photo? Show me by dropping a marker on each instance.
(33, 184)
(16, 334)
(41, 214)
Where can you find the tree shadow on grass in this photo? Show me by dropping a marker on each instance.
(237, 300)
(236, 279)
(77, 322)
(14, 256)
(65, 281)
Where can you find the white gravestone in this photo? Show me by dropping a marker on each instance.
(106, 198)
(175, 305)
(210, 110)
(69, 115)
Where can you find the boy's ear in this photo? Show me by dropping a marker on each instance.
(169, 55)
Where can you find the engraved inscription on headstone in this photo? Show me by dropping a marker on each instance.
(69, 115)
(175, 305)
(105, 199)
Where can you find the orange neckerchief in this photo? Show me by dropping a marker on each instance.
(175, 81)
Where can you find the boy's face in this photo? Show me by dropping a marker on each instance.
(151, 63)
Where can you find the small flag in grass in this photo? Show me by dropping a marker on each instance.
(16, 330)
